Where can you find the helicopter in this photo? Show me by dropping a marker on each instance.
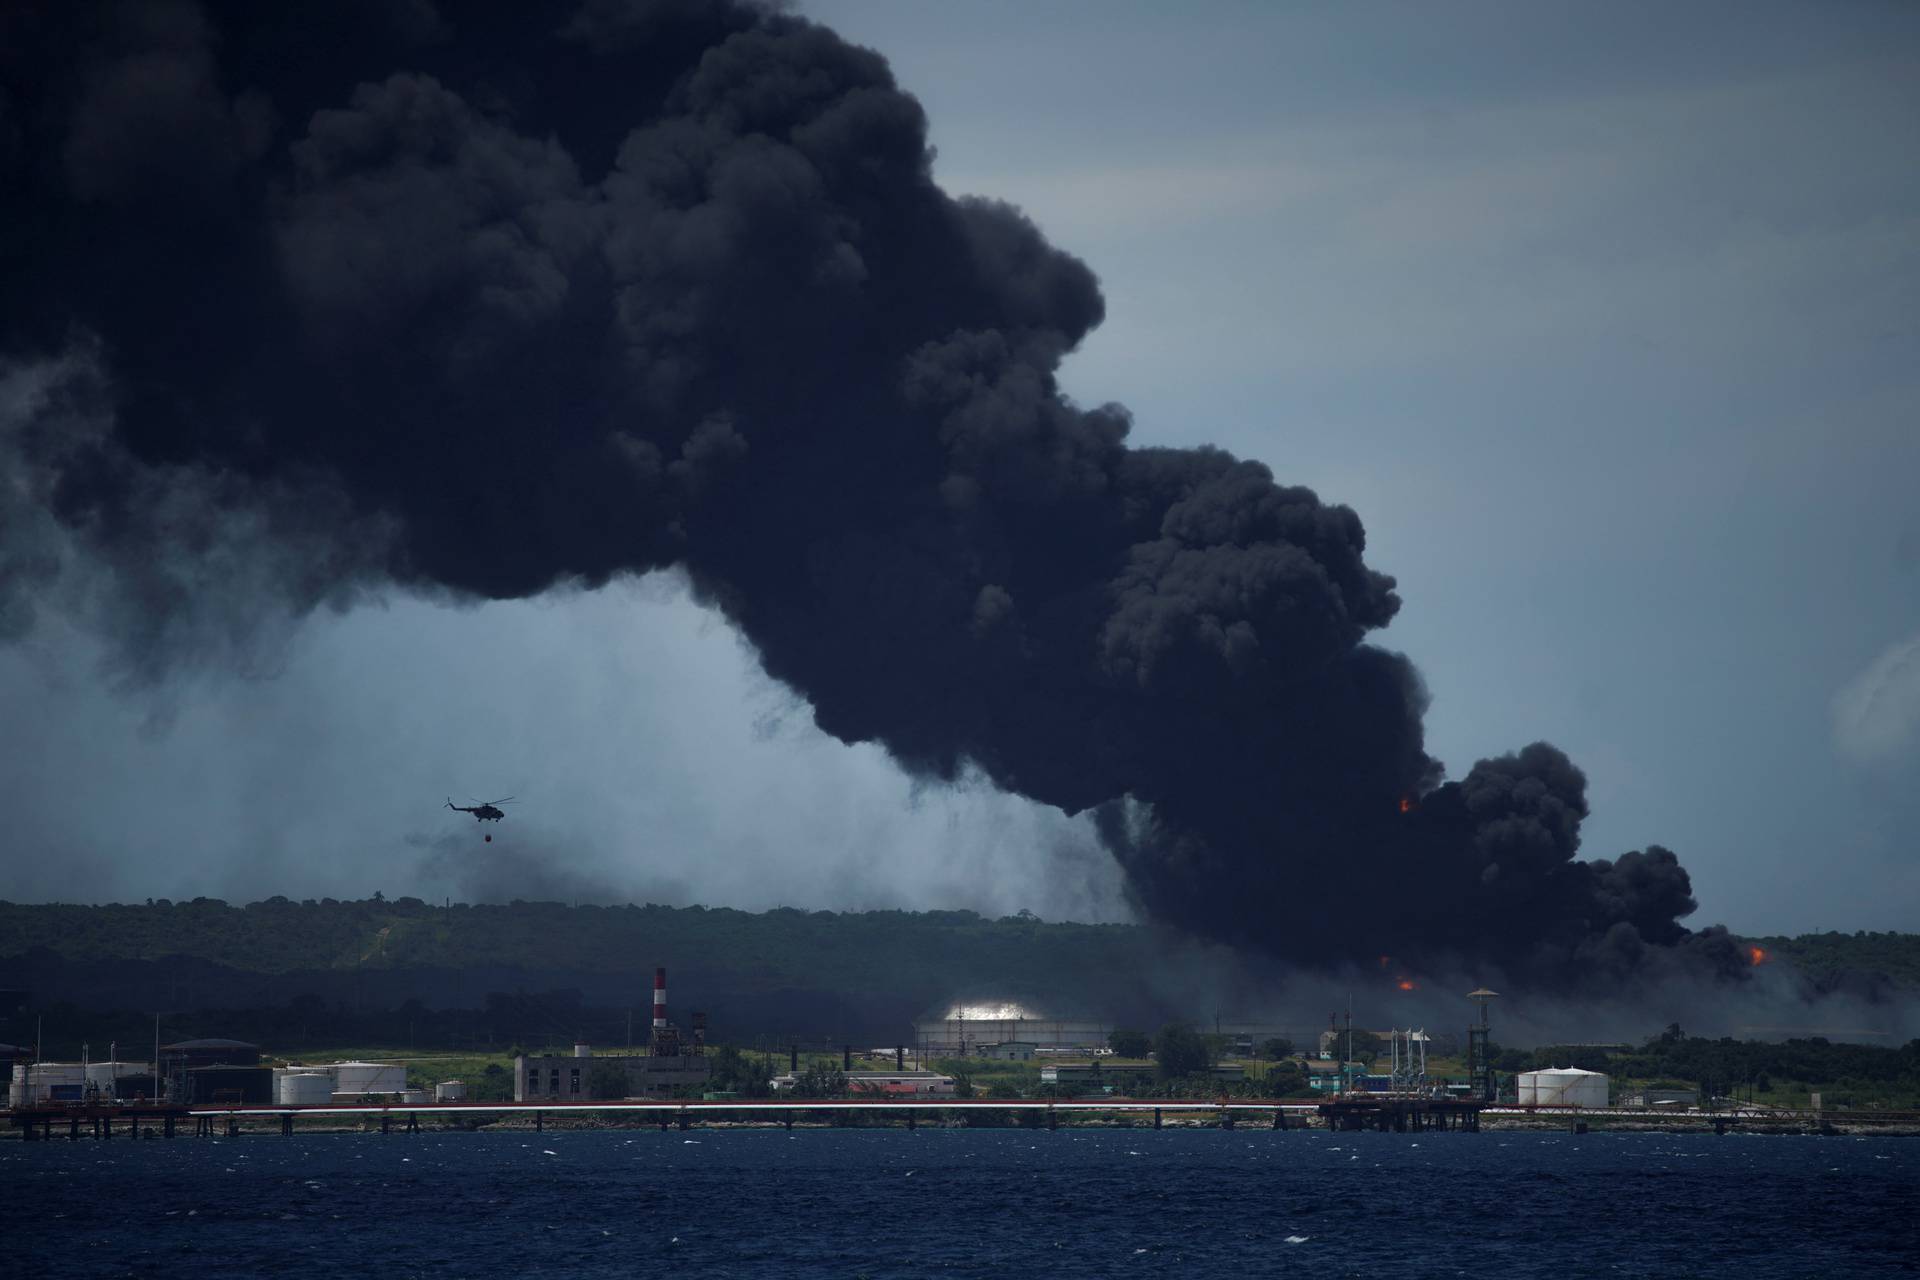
(482, 810)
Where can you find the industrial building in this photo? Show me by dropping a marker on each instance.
(670, 1062)
(1010, 1051)
(214, 1070)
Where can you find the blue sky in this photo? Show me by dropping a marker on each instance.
(1602, 317)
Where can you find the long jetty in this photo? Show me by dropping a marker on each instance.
(1354, 1111)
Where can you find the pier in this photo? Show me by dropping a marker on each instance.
(1350, 1112)
(1401, 1113)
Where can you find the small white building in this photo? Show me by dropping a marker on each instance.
(37, 1082)
(1562, 1087)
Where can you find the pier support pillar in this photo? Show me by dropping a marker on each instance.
(1279, 1118)
(686, 1121)
(73, 1129)
(386, 1124)
(1053, 1118)
(1156, 1117)
(789, 1119)
(1226, 1117)
(539, 1123)
(166, 1125)
(910, 1120)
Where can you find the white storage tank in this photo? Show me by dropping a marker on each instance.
(303, 1087)
(415, 1097)
(1563, 1087)
(450, 1091)
(356, 1078)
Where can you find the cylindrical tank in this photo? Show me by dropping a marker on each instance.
(415, 1097)
(1563, 1087)
(582, 1050)
(369, 1077)
(299, 1087)
(450, 1091)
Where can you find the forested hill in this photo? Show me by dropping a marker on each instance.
(282, 936)
(816, 965)
(772, 967)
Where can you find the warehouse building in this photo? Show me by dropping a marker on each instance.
(570, 1078)
(215, 1070)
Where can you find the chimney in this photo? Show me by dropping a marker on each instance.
(659, 1000)
(793, 1059)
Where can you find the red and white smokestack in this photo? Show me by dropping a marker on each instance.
(659, 999)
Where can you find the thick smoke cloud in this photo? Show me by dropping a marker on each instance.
(484, 301)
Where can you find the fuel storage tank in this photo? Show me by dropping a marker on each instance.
(1562, 1087)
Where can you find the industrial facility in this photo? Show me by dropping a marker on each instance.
(670, 1062)
(979, 1028)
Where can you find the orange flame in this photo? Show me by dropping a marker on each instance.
(1756, 955)
(1406, 804)
(1405, 984)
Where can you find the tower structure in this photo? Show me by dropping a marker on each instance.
(1479, 1038)
(666, 1041)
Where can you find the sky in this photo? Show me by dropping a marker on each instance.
(1602, 318)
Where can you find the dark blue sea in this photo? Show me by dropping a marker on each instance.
(843, 1202)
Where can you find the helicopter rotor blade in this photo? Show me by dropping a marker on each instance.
(504, 800)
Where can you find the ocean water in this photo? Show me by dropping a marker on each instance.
(849, 1202)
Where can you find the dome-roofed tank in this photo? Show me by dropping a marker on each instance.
(1562, 1087)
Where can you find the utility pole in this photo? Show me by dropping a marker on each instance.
(1346, 1064)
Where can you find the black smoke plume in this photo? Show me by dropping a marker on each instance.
(478, 300)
